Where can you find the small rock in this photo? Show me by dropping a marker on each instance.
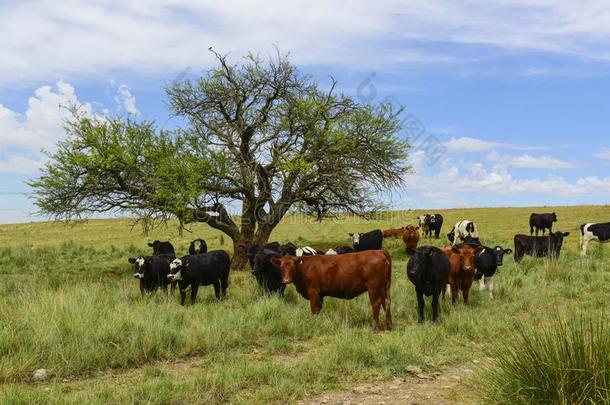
(414, 370)
(476, 361)
(40, 374)
(422, 376)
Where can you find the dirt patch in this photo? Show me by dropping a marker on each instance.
(447, 386)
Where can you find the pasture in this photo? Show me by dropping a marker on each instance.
(69, 304)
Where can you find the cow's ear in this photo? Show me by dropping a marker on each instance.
(566, 234)
(351, 234)
(417, 228)
(131, 260)
(479, 250)
(276, 261)
(455, 250)
(300, 261)
(508, 251)
(410, 251)
(150, 244)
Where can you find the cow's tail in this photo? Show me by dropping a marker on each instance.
(389, 260)
(582, 229)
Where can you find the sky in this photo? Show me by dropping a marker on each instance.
(506, 102)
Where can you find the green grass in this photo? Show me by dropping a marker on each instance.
(68, 303)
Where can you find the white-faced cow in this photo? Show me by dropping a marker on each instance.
(197, 247)
(431, 223)
(598, 232)
(462, 230)
(542, 222)
(539, 246)
(152, 272)
(372, 240)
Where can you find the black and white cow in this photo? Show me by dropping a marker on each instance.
(268, 275)
(486, 263)
(198, 246)
(211, 268)
(162, 247)
(542, 222)
(431, 223)
(539, 246)
(372, 240)
(599, 232)
(340, 250)
(462, 230)
(428, 270)
(152, 271)
(306, 251)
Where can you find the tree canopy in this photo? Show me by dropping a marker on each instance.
(258, 135)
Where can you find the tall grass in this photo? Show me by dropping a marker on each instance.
(563, 362)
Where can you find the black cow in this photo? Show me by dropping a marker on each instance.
(428, 269)
(152, 272)
(486, 264)
(251, 250)
(340, 250)
(542, 222)
(197, 247)
(588, 232)
(432, 223)
(268, 275)
(372, 240)
(211, 268)
(162, 247)
(539, 246)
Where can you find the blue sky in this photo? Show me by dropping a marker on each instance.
(514, 92)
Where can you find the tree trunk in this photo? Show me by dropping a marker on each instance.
(239, 261)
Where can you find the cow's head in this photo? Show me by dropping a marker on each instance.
(355, 238)
(139, 265)
(432, 218)
(197, 245)
(554, 217)
(331, 252)
(420, 256)
(288, 266)
(156, 244)
(176, 269)
(467, 255)
(499, 253)
(451, 236)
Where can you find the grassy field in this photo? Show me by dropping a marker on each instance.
(68, 303)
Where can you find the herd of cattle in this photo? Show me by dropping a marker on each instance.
(349, 271)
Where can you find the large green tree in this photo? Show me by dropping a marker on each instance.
(258, 136)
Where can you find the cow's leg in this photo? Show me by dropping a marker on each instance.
(386, 303)
(315, 302)
(454, 293)
(218, 289)
(482, 283)
(224, 284)
(182, 296)
(376, 300)
(583, 246)
(435, 306)
(420, 306)
(491, 287)
(465, 293)
(194, 289)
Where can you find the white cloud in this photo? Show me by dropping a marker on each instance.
(604, 155)
(530, 162)
(467, 144)
(19, 164)
(126, 101)
(157, 36)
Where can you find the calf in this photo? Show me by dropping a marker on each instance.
(372, 240)
(393, 233)
(539, 246)
(411, 237)
(162, 247)
(345, 276)
(486, 264)
(542, 222)
(204, 269)
(341, 250)
(462, 270)
(267, 274)
(428, 270)
(462, 230)
(598, 232)
(198, 246)
(152, 272)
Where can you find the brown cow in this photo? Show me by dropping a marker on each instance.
(411, 237)
(393, 233)
(463, 269)
(343, 276)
